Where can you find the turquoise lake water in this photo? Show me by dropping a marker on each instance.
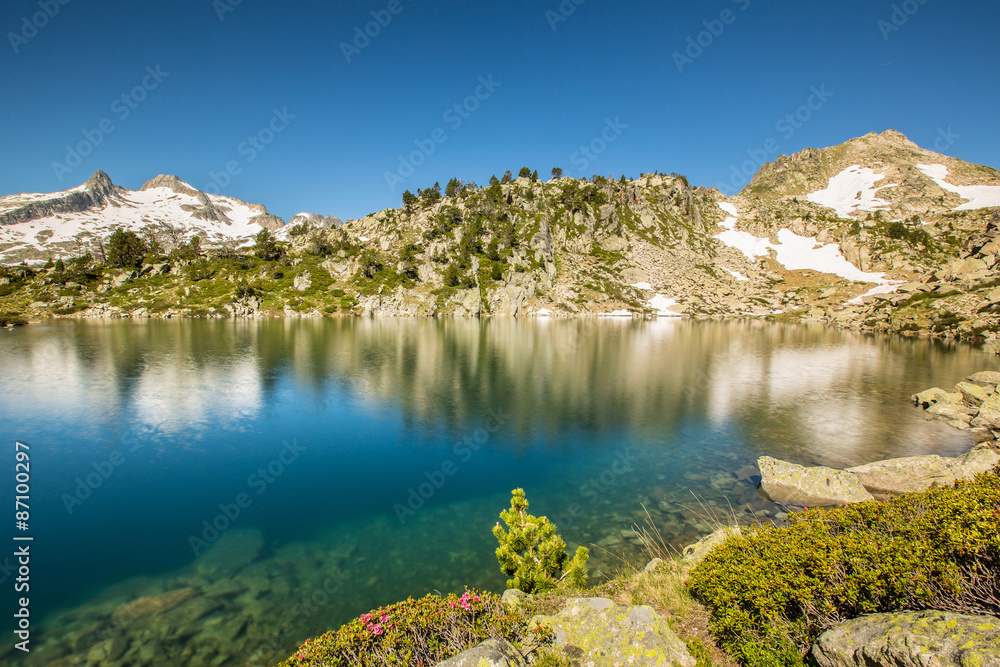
(216, 492)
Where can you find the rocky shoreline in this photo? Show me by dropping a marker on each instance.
(641, 635)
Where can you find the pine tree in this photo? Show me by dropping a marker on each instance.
(125, 250)
(409, 201)
(533, 553)
(267, 247)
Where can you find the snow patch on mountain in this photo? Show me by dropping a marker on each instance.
(165, 204)
(795, 252)
(979, 196)
(660, 303)
(850, 191)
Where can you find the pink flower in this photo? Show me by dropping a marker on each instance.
(377, 629)
(384, 617)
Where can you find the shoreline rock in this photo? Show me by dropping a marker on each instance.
(791, 484)
(910, 639)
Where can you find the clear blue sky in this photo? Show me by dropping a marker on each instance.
(558, 88)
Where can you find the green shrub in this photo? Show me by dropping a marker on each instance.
(12, 320)
(412, 632)
(947, 320)
(772, 591)
(370, 263)
(533, 553)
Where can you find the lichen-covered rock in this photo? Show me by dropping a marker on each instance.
(595, 632)
(989, 413)
(491, 653)
(905, 475)
(985, 378)
(973, 395)
(929, 397)
(695, 553)
(975, 462)
(952, 407)
(918, 473)
(514, 597)
(911, 639)
(792, 484)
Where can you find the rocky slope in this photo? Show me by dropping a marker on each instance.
(875, 234)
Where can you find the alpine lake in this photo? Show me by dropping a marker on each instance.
(215, 492)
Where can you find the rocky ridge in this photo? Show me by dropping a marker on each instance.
(876, 234)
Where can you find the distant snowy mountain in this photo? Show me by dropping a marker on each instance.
(34, 227)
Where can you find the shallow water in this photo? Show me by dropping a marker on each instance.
(368, 459)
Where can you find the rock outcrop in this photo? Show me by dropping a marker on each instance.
(974, 403)
(595, 632)
(790, 484)
(95, 193)
(491, 653)
(911, 639)
(315, 220)
(919, 473)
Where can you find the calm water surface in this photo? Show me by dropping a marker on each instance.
(215, 492)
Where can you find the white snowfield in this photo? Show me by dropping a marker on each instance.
(850, 191)
(794, 252)
(979, 196)
(134, 210)
(887, 287)
(736, 274)
(660, 303)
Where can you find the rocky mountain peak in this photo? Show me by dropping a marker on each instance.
(100, 183)
(170, 182)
